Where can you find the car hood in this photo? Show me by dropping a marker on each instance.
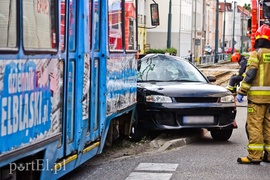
(182, 89)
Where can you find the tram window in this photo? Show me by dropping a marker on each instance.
(8, 21)
(115, 25)
(39, 24)
(63, 25)
(96, 25)
(90, 23)
(130, 23)
(72, 25)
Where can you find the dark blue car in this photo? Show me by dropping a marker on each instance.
(173, 94)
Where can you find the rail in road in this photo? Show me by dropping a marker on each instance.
(222, 71)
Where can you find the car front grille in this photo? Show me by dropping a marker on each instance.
(196, 99)
(165, 118)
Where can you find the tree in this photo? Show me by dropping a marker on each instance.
(247, 6)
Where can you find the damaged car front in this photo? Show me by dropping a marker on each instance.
(173, 94)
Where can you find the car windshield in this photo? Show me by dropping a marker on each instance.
(163, 68)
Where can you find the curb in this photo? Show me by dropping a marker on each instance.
(163, 142)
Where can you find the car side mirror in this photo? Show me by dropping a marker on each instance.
(212, 78)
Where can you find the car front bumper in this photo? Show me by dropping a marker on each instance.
(172, 116)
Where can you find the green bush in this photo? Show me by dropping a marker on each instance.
(162, 51)
(172, 51)
(229, 57)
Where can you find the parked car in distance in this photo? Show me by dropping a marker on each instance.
(228, 50)
(173, 94)
(220, 50)
(208, 50)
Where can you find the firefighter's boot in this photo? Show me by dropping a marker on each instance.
(247, 160)
(265, 157)
(232, 89)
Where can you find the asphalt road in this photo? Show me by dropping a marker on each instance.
(203, 158)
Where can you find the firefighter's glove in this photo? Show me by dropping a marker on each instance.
(239, 98)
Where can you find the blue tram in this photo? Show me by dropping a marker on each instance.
(67, 82)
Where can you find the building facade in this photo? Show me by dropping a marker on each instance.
(193, 26)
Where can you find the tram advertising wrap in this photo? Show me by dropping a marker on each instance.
(29, 101)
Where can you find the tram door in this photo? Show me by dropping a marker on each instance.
(82, 77)
(68, 32)
(95, 113)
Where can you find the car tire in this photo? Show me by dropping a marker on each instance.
(137, 133)
(221, 135)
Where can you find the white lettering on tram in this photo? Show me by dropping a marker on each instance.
(20, 82)
(22, 112)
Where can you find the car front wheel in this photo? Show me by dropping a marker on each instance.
(221, 135)
(137, 133)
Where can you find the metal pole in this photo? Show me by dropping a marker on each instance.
(195, 33)
(169, 25)
(234, 4)
(203, 27)
(224, 23)
(216, 38)
(242, 34)
(180, 13)
(192, 3)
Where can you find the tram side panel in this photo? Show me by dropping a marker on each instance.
(30, 89)
(121, 94)
(31, 106)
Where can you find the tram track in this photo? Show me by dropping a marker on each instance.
(222, 72)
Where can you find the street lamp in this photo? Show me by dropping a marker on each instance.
(169, 25)
(216, 38)
(224, 20)
(242, 35)
(234, 4)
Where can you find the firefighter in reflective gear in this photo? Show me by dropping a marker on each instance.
(256, 86)
(238, 77)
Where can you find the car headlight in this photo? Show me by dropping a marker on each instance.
(158, 99)
(227, 99)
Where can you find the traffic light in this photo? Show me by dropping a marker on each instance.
(154, 14)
